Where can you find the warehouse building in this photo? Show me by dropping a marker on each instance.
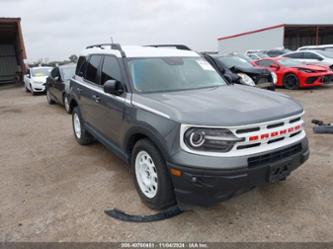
(291, 36)
(12, 51)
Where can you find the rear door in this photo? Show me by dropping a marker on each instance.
(89, 91)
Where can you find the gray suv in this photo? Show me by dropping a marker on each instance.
(189, 137)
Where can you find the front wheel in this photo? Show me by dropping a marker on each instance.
(49, 99)
(80, 133)
(290, 81)
(32, 91)
(151, 176)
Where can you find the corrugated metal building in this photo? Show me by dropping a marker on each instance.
(291, 36)
(12, 50)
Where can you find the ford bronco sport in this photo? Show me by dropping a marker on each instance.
(188, 136)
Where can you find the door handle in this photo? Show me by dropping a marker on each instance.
(96, 98)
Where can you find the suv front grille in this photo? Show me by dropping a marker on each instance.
(274, 156)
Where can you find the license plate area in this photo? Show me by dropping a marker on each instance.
(279, 171)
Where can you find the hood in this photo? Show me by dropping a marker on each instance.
(228, 105)
(41, 79)
(314, 67)
(324, 63)
(250, 70)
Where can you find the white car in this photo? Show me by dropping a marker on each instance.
(35, 79)
(312, 57)
(327, 47)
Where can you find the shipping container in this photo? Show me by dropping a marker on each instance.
(12, 51)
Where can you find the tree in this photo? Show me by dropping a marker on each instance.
(73, 58)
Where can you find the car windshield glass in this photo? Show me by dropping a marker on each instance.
(289, 62)
(43, 71)
(231, 61)
(68, 72)
(327, 54)
(172, 74)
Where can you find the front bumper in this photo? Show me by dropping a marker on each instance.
(38, 87)
(317, 79)
(206, 187)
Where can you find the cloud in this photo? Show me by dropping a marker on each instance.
(57, 29)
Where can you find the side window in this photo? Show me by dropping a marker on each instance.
(55, 72)
(294, 55)
(81, 66)
(92, 68)
(264, 63)
(110, 70)
(312, 56)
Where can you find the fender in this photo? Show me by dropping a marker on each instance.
(148, 132)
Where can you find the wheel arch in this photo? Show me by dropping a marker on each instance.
(138, 133)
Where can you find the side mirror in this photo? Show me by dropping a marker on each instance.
(113, 87)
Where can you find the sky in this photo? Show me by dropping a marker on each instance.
(56, 29)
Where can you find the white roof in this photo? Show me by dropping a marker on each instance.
(140, 51)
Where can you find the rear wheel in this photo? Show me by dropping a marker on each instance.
(151, 176)
(81, 135)
(290, 81)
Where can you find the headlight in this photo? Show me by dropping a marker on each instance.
(306, 70)
(274, 77)
(210, 139)
(246, 79)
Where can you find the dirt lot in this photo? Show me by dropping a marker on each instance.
(52, 189)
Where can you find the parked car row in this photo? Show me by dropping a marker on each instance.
(309, 66)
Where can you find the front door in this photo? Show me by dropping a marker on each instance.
(111, 107)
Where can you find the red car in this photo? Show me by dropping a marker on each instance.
(292, 74)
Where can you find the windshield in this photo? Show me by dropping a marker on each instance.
(231, 61)
(327, 54)
(68, 72)
(172, 74)
(289, 62)
(43, 71)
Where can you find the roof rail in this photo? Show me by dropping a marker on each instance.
(114, 46)
(177, 46)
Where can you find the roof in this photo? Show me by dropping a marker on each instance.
(141, 51)
(252, 32)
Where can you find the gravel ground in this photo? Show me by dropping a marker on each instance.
(52, 189)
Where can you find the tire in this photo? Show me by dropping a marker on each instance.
(67, 106)
(32, 91)
(151, 177)
(290, 81)
(49, 98)
(80, 133)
